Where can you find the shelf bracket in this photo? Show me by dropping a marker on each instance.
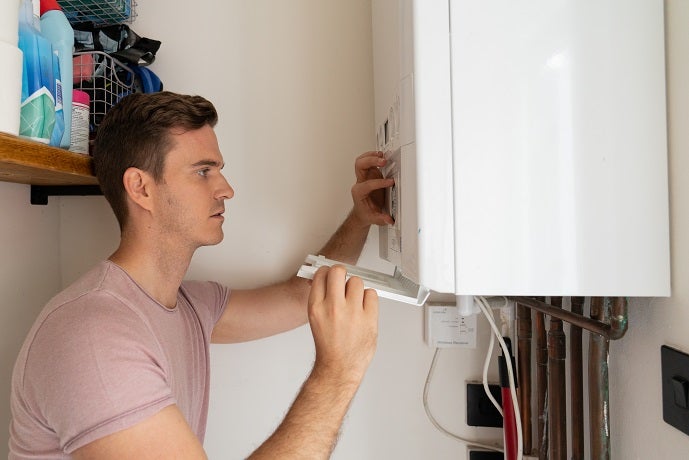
(40, 193)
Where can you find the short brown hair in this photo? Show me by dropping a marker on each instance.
(135, 133)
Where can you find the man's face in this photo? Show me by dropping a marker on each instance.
(190, 199)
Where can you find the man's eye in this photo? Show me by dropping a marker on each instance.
(203, 172)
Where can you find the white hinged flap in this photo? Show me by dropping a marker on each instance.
(394, 287)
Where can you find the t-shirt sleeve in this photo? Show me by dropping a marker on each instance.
(103, 368)
(208, 299)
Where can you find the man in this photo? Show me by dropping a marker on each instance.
(116, 366)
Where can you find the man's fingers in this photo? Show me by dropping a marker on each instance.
(318, 288)
(371, 301)
(335, 284)
(354, 291)
(367, 161)
(363, 189)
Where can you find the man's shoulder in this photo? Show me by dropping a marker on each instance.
(97, 281)
(86, 314)
(104, 284)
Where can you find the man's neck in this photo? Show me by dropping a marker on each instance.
(158, 270)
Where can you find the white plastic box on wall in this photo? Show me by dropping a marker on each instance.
(528, 144)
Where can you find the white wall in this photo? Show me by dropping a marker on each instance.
(29, 277)
(293, 85)
(638, 430)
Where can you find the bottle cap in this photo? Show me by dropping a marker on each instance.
(80, 97)
(49, 5)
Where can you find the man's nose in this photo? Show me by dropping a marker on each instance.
(225, 192)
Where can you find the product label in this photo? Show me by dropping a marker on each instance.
(38, 116)
(79, 138)
(58, 94)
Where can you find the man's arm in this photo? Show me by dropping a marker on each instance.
(344, 323)
(368, 196)
(163, 435)
(256, 313)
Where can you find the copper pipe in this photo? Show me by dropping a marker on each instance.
(598, 384)
(557, 387)
(577, 382)
(524, 373)
(541, 385)
(608, 321)
(618, 318)
(615, 330)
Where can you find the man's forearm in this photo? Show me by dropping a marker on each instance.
(346, 244)
(312, 425)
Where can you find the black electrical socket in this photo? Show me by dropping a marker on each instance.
(480, 410)
(675, 374)
(485, 455)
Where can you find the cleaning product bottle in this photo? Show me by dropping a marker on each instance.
(59, 128)
(37, 103)
(55, 27)
(80, 122)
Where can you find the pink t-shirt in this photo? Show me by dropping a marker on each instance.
(103, 355)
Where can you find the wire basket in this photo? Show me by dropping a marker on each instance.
(105, 79)
(99, 12)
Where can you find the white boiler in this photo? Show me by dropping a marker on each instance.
(528, 144)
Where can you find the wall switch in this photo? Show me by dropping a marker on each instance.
(675, 373)
(445, 328)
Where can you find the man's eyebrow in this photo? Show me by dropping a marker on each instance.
(208, 163)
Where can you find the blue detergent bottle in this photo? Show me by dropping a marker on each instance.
(37, 114)
(56, 28)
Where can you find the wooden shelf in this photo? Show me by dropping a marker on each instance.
(28, 162)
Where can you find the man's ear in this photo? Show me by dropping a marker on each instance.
(138, 184)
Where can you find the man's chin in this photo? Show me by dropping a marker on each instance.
(214, 241)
